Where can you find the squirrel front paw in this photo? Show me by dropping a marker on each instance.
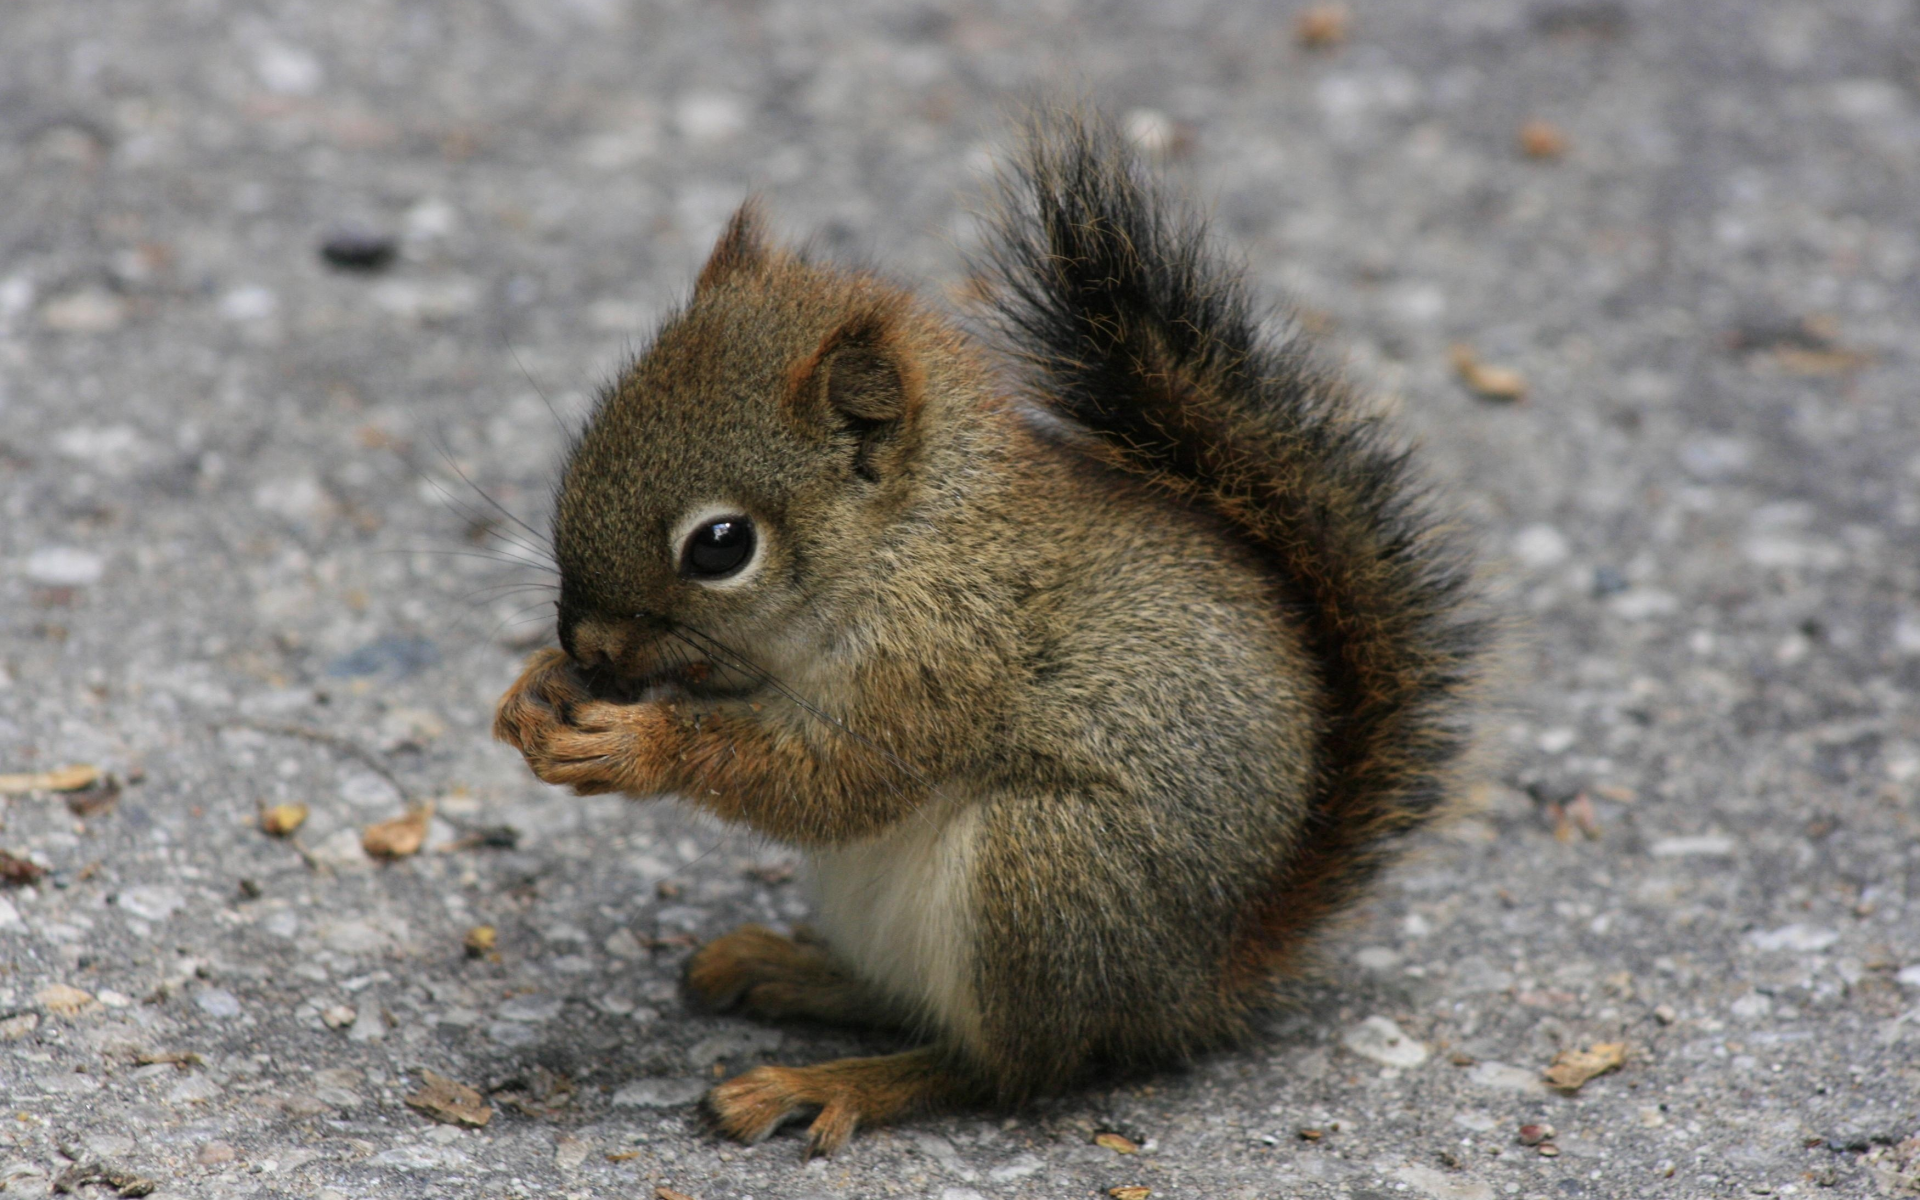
(570, 738)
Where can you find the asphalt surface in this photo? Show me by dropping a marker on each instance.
(239, 568)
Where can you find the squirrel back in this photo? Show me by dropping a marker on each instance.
(1133, 328)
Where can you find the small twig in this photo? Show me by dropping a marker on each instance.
(344, 745)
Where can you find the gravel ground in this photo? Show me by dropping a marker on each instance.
(240, 567)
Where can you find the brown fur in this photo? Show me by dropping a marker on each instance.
(1170, 669)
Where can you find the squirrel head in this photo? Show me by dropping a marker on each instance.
(752, 457)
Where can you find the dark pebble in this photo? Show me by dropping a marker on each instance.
(358, 250)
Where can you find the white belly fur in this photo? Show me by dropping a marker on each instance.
(898, 910)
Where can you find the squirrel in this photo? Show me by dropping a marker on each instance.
(1093, 661)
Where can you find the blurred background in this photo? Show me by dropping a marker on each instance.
(286, 287)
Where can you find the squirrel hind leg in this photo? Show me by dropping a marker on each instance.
(847, 1093)
(772, 977)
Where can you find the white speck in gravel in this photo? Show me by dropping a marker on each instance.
(109, 1145)
(1556, 741)
(341, 851)
(1377, 958)
(1704, 845)
(1499, 1077)
(622, 944)
(1438, 1185)
(1906, 634)
(734, 1044)
(941, 1151)
(1803, 939)
(709, 116)
(288, 70)
(1639, 604)
(1909, 976)
(113, 447)
(1539, 546)
(1475, 1120)
(513, 1033)
(295, 497)
(250, 302)
(154, 902)
(427, 299)
(431, 218)
(9, 915)
(218, 1002)
(530, 1008)
(420, 1158)
(194, 1089)
(1018, 1167)
(91, 311)
(659, 1093)
(1379, 1039)
(64, 566)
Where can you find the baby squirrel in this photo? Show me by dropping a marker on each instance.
(1090, 690)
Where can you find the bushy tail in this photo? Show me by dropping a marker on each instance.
(1138, 332)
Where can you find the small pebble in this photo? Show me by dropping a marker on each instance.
(359, 250)
(1534, 1135)
(339, 1016)
(1321, 27)
(1541, 139)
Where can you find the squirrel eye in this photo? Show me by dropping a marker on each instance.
(718, 548)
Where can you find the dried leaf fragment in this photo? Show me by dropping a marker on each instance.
(1130, 1193)
(182, 1059)
(1542, 139)
(1321, 27)
(280, 820)
(399, 837)
(1572, 1068)
(18, 871)
(1488, 382)
(449, 1102)
(63, 779)
(623, 1156)
(63, 1001)
(1116, 1143)
(667, 1193)
(95, 798)
(124, 1183)
(479, 941)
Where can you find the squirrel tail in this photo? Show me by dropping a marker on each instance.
(1136, 330)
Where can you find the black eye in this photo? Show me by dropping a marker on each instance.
(718, 548)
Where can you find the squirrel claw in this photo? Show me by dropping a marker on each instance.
(848, 1093)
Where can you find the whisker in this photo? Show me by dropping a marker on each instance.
(446, 453)
(490, 555)
(565, 431)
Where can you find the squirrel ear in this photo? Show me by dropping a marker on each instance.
(862, 381)
(860, 372)
(742, 247)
